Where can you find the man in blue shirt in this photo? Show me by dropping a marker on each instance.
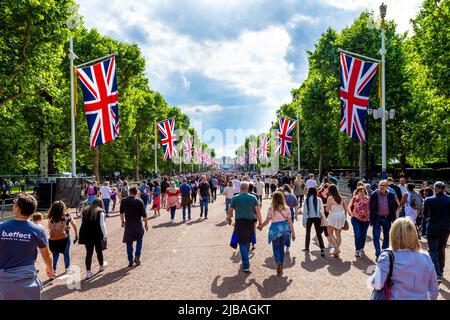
(186, 201)
(19, 241)
(437, 212)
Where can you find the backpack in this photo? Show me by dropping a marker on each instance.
(90, 190)
(416, 201)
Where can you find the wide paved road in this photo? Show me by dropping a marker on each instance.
(194, 261)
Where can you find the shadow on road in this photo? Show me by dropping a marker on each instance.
(98, 281)
(363, 263)
(236, 257)
(199, 220)
(167, 225)
(337, 267)
(444, 294)
(230, 285)
(272, 286)
(222, 224)
(288, 262)
(313, 265)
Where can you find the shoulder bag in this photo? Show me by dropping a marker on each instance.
(385, 292)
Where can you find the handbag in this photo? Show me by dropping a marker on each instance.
(104, 244)
(323, 220)
(346, 225)
(385, 292)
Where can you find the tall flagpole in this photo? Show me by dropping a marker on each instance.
(72, 57)
(383, 95)
(298, 144)
(156, 149)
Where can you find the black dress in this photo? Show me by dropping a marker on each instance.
(90, 231)
(134, 211)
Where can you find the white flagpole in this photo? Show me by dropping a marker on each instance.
(72, 57)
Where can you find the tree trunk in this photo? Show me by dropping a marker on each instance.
(95, 168)
(136, 160)
(320, 162)
(403, 161)
(51, 162)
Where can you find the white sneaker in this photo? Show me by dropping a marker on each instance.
(357, 253)
(89, 274)
(103, 267)
(172, 221)
(361, 252)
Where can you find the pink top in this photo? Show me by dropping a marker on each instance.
(172, 198)
(277, 216)
(361, 208)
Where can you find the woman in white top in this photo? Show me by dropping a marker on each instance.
(312, 213)
(336, 218)
(229, 193)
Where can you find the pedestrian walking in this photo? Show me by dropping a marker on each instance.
(18, 275)
(93, 234)
(229, 194)
(312, 215)
(247, 211)
(281, 229)
(144, 194)
(291, 201)
(273, 185)
(413, 275)
(59, 222)
(337, 217)
(267, 186)
(383, 208)
(311, 182)
(92, 192)
(299, 189)
(358, 209)
(156, 198)
(132, 213)
(173, 201)
(105, 192)
(164, 187)
(411, 202)
(259, 186)
(323, 195)
(437, 213)
(204, 192)
(114, 194)
(194, 188)
(186, 201)
(427, 192)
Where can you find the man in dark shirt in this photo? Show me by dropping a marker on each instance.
(205, 193)
(186, 201)
(437, 213)
(383, 209)
(164, 187)
(131, 213)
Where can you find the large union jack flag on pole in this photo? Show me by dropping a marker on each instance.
(356, 82)
(188, 149)
(264, 148)
(168, 136)
(284, 136)
(101, 106)
(198, 155)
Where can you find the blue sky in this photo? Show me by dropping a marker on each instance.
(229, 64)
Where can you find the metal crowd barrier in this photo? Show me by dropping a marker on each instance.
(6, 211)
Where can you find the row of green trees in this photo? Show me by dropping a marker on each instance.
(417, 87)
(35, 95)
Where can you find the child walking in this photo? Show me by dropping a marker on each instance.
(281, 229)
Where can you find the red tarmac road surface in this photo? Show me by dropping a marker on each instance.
(194, 261)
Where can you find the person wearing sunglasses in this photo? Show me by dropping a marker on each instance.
(383, 208)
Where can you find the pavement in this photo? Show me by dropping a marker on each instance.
(193, 261)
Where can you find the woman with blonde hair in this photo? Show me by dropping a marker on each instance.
(336, 218)
(299, 188)
(281, 229)
(413, 273)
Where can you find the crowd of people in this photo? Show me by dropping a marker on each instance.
(392, 209)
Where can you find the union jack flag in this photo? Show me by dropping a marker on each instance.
(356, 82)
(101, 106)
(253, 154)
(198, 155)
(188, 149)
(285, 131)
(264, 148)
(168, 136)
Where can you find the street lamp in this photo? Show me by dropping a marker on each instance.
(383, 9)
(72, 23)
